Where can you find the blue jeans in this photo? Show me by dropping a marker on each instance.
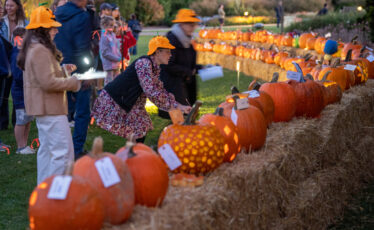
(82, 119)
(133, 49)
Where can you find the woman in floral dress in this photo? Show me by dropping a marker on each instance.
(120, 108)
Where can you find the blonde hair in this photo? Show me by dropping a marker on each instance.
(105, 21)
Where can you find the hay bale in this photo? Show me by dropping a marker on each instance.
(300, 179)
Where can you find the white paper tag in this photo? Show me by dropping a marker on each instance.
(253, 93)
(169, 156)
(242, 103)
(108, 173)
(234, 117)
(59, 187)
(328, 35)
(294, 76)
(370, 58)
(350, 67)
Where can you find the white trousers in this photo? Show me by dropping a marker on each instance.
(56, 145)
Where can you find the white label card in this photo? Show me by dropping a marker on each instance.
(169, 156)
(370, 58)
(294, 76)
(242, 103)
(108, 173)
(350, 67)
(253, 94)
(234, 117)
(59, 187)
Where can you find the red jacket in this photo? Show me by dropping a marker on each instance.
(128, 41)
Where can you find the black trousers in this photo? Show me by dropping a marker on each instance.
(5, 86)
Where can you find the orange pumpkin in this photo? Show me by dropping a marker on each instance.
(279, 57)
(200, 148)
(304, 38)
(228, 131)
(250, 122)
(149, 172)
(284, 99)
(319, 44)
(350, 46)
(338, 75)
(265, 101)
(310, 43)
(119, 199)
(82, 208)
(332, 91)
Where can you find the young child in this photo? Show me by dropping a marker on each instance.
(23, 121)
(109, 49)
(127, 40)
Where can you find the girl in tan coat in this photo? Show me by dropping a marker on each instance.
(45, 86)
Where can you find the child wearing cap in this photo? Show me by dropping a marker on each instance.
(109, 49)
(23, 121)
(120, 108)
(45, 86)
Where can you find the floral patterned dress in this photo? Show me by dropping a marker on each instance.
(111, 117)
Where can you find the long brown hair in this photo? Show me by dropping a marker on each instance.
(42, 36)
(20, 13)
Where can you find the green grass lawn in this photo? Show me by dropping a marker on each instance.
(18, 173)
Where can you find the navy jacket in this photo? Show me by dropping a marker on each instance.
(74, 36)
(4, 58)
(17, 84)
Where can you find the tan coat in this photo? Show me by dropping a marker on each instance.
(45, 84)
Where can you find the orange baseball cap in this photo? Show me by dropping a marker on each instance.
(186, 15)
(158, 42)
(42, 17)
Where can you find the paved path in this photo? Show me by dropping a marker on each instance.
(154, 30)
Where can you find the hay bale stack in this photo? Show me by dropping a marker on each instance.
(300, 179)
(257, 69)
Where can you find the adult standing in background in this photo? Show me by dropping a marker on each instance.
(136, 28)
(13, 16)
(74, 41)
(57, 3)
(179, 76)
(324, 10)
(279, 14)
(221, 16)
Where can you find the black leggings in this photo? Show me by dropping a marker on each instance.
(140, 140)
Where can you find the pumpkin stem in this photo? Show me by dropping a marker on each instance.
(131, 152)
(349, 56)
(297, 67)
(97, 146)
(234, 90)
(309, 76)
(275, 77)
(235, 97)
(69, 168)
(362, 51)
(354, 38)
(325, 76)
(251, 85)
(218, 112)
(309, 57)
(336, 62)
(257, 86)
(191, 117)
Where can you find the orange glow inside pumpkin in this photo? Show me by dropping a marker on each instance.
(33, 198)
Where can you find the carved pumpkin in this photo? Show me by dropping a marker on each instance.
(82, 208)
(250, 122)
(337, 75)
(119, 198)
(333, 93)
(200, 148)
(284, 99)
(149, 172)
(228, 131)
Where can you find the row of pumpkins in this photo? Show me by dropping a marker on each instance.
(308, 63)
(201, 146)
(309, 41)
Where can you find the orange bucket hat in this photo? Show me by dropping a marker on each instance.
(186, 15)
(158, 42)
(42, 17)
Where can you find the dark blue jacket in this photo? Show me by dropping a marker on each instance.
(74, 36)
(17, 84)
(4, 59)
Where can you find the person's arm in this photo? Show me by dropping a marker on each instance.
(106, 50)
(81, 39)
(45, 74)
(131, 41)
(153, 87)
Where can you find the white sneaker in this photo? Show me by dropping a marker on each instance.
(26, 150)
(72, 124)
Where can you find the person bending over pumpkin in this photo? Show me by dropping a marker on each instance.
(120, 108)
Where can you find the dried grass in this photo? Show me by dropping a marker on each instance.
(300, 179)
